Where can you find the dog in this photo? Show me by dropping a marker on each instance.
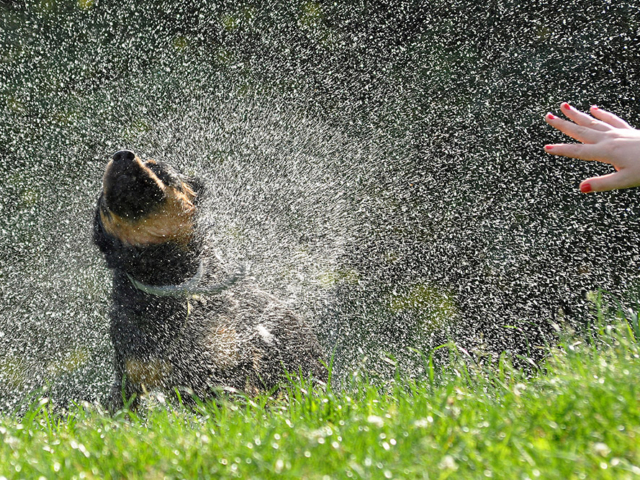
(179, 321)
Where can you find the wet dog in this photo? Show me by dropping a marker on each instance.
(179, 319)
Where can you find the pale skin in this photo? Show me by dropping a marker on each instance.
(604, 138)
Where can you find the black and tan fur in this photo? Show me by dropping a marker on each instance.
(240, 338)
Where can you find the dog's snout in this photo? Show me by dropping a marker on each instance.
(124, 156)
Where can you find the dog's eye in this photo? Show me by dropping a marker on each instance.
(164, 173)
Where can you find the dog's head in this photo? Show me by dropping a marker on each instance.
(145, 210)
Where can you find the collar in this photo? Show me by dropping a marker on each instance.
(190, 286)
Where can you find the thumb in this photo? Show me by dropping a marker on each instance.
(613, 181)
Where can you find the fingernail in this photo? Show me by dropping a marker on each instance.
(551, 116)
(566, 105)
(548, 147)
(585, 187)
(594, 107)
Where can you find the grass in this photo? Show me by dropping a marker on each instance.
(579, 417)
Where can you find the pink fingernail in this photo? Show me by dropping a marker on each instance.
(594, 107)
(585, 187)
(548, 147)
(566, 105)
(550, 116)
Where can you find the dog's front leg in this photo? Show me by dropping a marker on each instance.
(123, 394)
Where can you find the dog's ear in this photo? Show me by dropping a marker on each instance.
(198, 186)
(99, 237)
(105, 242)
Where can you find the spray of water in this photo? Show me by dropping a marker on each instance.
(379, 167)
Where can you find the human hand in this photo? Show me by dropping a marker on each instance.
(605, 138)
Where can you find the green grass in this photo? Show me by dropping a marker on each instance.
(579, 417)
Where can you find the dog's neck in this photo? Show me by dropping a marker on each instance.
(174, 290)
(162, 264)
(192, 286)
(166, 270)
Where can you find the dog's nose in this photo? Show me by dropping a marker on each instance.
(124, 155)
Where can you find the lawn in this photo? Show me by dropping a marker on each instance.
(577, 417)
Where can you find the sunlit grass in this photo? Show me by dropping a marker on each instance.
(579, 417)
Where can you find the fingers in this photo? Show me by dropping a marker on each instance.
(581, 133)
(594, 133)
(578, 150)
(605, 183)
(583, 119)
(609, 118)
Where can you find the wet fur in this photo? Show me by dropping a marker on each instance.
(242, 338)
